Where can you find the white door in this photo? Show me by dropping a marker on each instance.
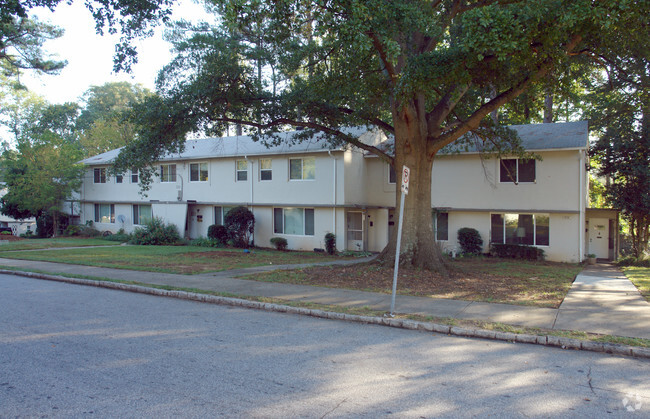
(599, 237)
(355, 231)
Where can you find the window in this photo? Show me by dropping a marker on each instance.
(119, 178)
(517, 170)
(265, 169)
(441, 225)
(528, 229)
(141, 214)
(392, 176)
(296, 221)
(168, 173)
(242, 170)
(134, 175)
(104, 213)
(302, 169)
(220, 214)
(99, 175)
(198, 172)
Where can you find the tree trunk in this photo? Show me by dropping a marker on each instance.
(418, 246)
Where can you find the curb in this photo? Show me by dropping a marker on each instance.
(545, 340)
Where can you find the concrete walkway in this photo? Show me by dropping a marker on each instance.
(601, 300)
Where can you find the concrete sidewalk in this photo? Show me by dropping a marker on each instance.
(601, 300)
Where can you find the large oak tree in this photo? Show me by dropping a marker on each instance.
(426, 72)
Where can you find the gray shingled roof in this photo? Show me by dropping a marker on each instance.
(237, 146)
(554, 136)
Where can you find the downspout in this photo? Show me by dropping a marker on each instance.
(333, 191)
(252, 195)
(581, 207)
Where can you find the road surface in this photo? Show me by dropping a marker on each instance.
(78, 351)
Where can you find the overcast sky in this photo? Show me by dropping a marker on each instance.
(90, 56)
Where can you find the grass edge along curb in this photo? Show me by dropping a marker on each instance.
(545, 340)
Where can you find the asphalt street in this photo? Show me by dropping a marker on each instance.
(77, 351)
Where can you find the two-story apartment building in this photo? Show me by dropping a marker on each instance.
(303, 191)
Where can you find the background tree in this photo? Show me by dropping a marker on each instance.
(620, 118)
(425, 72)
(42, 171)
(102, 122)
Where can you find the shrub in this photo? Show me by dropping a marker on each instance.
(516, 251)
(470, 241)
(5, 233)
(203, 242)
(218, 232)
(330, 243)
(632, 261)
(280, 243)
(240, 223)
(72, 230)
(120, 236)
(155, 232)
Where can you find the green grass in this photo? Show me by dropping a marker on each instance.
(32, 244)
(641, 278)
(169, 259)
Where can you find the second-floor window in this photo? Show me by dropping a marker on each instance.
(241, 169)
(168, 173)
(119, 178)
(392, 176)
(99, 175)
(302, 169)
(517, 171)
(265, 169)
(198, 172)
(134, 175)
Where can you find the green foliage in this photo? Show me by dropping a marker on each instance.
(219, 233)
(280, 243)
(330, 243)
(516, 251)
(203, 242)
(470, 241)
(5, 233)
(155, 232)
(120, 236)
(633, 261)
(240, 224)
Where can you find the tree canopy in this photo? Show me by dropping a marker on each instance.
(426, 72)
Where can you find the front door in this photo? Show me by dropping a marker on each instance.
(599, 237)
(355, 231)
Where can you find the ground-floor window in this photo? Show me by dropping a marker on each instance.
(296, 221)
(529, 229)
(441, 225)
(220, 215)
(141, 214)
(104, 213)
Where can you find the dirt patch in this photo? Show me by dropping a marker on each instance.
(10, 238)
(543, 284)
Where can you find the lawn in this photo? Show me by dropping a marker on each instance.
(31, 244)
(170, 259)
(542, 284)
(641, 278)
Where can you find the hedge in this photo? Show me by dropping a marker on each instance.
(516, 251)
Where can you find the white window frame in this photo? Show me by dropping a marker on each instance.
(268, 170)
(98, 217)
(200, 171)
(100, 173)
(119, 178)
(304, 170)
(135, 175)
(516, 172)
(436, 224)
(168, 173)
(282, 228)
(239, 171)
(504, 226)
(136, 213)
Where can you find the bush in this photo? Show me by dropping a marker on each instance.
(5, 233)
(120, 236)
(218, 233)
(330, 243)
(240, 223)
(280, 243)
(155, 232)
(632, 261)
(516, 251)
(203, 242)
(470, 241)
